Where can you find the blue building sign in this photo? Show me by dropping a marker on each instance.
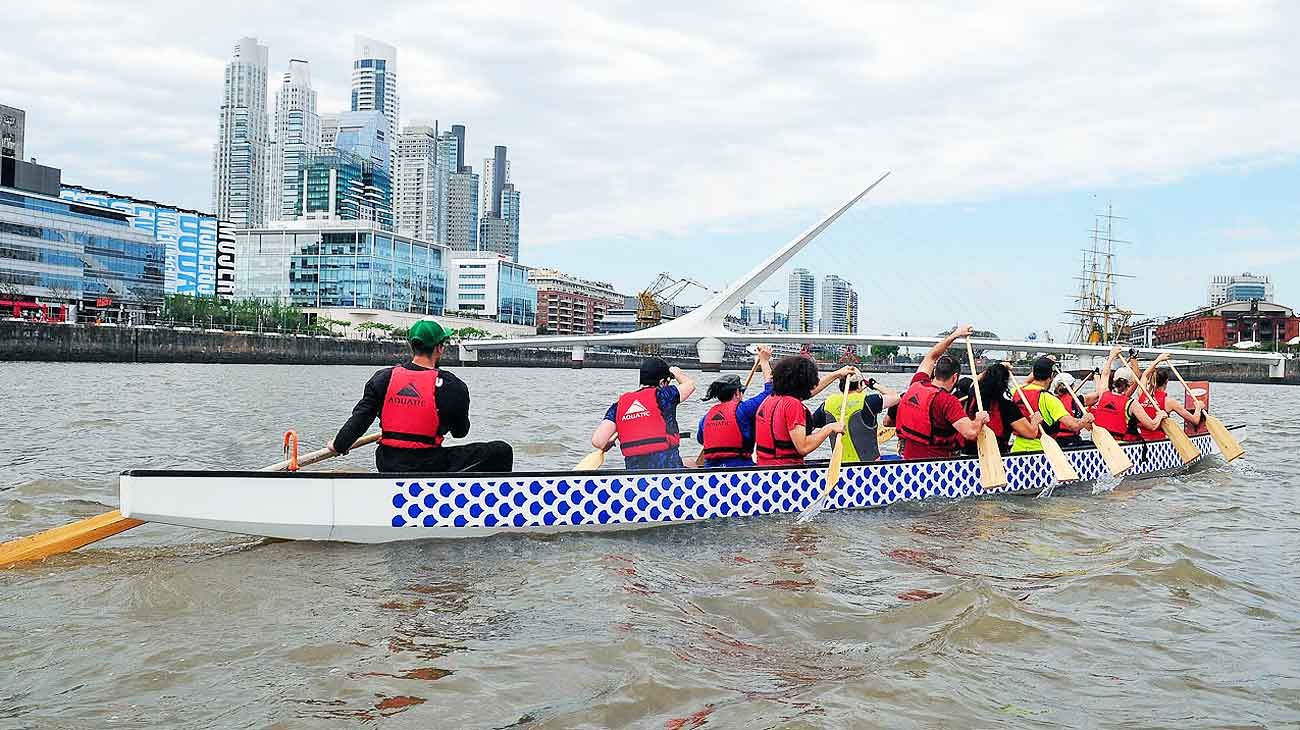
(189, 238)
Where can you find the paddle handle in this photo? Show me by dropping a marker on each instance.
(975, 383)
(752, 369)
(1015, 383)
(1142, 387)
(320, 455)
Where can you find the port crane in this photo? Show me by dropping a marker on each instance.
(652, 300)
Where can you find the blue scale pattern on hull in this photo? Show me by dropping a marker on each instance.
(574, 500)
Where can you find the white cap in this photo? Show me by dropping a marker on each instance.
(1065, 379)
(1126, 374)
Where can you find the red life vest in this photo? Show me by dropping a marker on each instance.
(996, 424)
(771, 434)
(1111, 413)
(641, 426)
(408, 418)
(915, 422)
(722, 437)
(1151, 407)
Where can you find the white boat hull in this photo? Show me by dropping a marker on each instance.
(371, 508)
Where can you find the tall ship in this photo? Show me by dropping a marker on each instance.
(1096, 317)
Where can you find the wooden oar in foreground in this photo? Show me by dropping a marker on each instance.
(1117, 462)
(59, 540)
(1062, 469)
(1228, 446)
(993, 472)
(1187, 450)
(837, 457)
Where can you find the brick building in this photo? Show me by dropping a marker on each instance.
(567, 305)
(1224, 325)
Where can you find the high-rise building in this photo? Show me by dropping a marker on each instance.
(12, 123)
(342, 186)
(1239, 288)
(329, 129)
(374, 82)
(416, 186)
(568, 305)
(461, 211)
(802, 301)
(241, 156)
(365, 134)
(839, 301)
(297, 136)
(493, 183)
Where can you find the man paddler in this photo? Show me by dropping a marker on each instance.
(645, 419)
(931, 421)
(1056, 420)
(863, 415)
(418, 405)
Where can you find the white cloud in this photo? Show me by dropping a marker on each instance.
(644, 120)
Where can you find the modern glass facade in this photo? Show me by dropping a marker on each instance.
(342, 267)
(60, 251)
(516, 298)
(344, 187)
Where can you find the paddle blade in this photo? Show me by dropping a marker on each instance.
(993, 472)
(1228, 445)
(1062, 469)
(1187, 450)
(884, 434)
(63, 539)
(591, 462)
(1117, 462)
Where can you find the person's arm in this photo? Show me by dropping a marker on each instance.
(602, 439)
(1053, 411)
(453, 406)
(953, 412)
(931, 357)
(831, 377)
(1151, 424)
(363, 413)
(806, 443)
(890, 396)
(685, 383)
(1028, 428)
(1173, 406)
(765, 361)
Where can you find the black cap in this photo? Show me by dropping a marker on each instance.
(1044, 367)
(653, 370)
(727, 384)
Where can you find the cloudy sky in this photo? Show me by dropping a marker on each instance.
(695, 137)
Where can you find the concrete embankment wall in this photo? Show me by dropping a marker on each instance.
(68, 343)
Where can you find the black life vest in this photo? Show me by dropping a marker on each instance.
(915, 421)
(409, 416)
(722, 437)
(641, 426)
(771, 434)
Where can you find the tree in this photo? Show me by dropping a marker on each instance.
(880, 353)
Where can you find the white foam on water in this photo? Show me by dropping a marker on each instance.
(1106, 482)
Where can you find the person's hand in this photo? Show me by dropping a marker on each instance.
(1088, 420)
(834, 427)
(1036, 420)
(963, 331)
(329, 446)
(1115, 352)
(871, 383)
(1163, 357)
(1161, 414)
(982, 418)
(764, 352)
(676, 372)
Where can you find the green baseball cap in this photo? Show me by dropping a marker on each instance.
(427, 334)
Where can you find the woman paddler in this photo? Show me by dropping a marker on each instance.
(1160, 409)
(726, 433)
(863, 415)
(645, 419)
(1005, 418)
(781, 435)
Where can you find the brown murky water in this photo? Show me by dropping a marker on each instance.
(1169, 603)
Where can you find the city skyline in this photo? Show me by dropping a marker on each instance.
(1005, 165)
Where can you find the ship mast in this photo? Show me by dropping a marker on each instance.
(1098, 319)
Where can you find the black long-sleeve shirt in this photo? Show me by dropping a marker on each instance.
(451, 398)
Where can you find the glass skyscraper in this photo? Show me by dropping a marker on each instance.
(342, 266)
(297, 136)
(374, 83)
(241, 156)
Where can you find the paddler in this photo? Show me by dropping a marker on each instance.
(1062, 387)
(931, 421)
(1005, 419)
(418, 405)
(1163, 405)
(864, 413)
(1111, 410)
(1056, 420)
(726, 433)
(645, 419)
(781, 426)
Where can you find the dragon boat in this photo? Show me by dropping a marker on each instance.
(372, 508)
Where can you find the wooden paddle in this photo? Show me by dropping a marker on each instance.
(1187, 450)
(1228, 446)
(993, 472)
(1117, 462)
(833, 468)
(1062, 469)
(59, 540)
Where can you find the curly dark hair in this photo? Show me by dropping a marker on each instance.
(794, 375)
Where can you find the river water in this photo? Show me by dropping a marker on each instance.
(1169, 603)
